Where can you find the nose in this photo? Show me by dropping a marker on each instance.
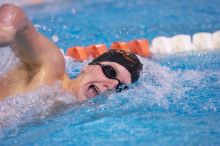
(111, 84)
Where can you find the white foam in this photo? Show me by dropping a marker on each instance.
(38, 104)
(163, 83)
(55, 38)
(61, 50)
(7, 59)
(33, 105)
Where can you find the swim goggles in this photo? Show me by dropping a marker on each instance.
(110, 73)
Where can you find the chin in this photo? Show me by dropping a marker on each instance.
(81, 96)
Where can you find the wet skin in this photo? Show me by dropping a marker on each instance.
(38, 68)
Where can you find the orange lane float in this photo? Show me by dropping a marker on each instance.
(78, 53)
(120, 46)
(96, 50)
(140, 47)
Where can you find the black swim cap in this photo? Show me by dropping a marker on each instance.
(124, 58)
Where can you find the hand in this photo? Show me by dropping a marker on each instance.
(12, 20)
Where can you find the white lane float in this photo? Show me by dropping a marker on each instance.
(216, 39)
(182, 43)
(161, 45)
(203, 41)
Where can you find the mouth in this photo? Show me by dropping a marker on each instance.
(93, 91)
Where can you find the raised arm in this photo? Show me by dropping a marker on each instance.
(30, 46)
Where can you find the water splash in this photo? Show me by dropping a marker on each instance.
(38, 104)
(158, 86)
(7, 61)
(35, 105)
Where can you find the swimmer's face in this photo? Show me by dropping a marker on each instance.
(93, 81)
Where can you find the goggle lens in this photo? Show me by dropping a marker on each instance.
(110, 73)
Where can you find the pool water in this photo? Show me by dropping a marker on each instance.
(175, 102)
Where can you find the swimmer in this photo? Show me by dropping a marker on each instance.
(42, 63)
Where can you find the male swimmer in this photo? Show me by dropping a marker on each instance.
(42, 63)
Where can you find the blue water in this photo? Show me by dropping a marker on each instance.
(175, 102)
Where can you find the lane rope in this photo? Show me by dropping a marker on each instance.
(159, 45)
